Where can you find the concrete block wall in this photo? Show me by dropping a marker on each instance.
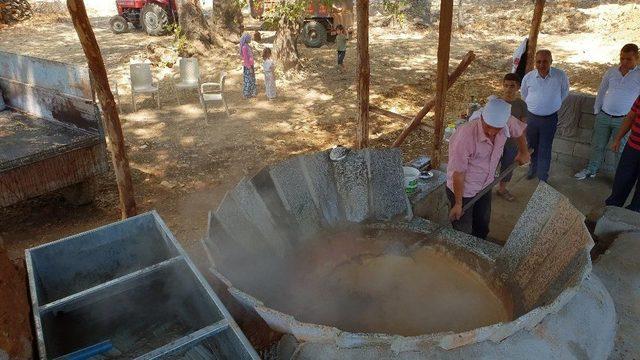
(575, 150)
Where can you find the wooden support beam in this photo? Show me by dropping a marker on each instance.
(364, 74)
(533, 34)
(87, 38)
(378, 110)
(453, 77)
(442, 77)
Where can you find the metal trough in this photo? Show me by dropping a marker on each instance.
(127, 290)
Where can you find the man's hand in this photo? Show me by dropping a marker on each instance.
(523, 157)
(615, 146)
(456, 212)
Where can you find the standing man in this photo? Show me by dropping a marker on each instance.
(474, 152)
(543, 89)
(618, 90)
(510, 87)
(628, 171)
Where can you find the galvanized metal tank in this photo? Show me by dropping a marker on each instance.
(127, 290)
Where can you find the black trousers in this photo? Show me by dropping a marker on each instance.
(627, 175)
(474, 221)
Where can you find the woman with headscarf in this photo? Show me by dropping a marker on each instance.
(249, 88)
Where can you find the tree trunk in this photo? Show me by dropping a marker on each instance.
(193, 25)
(227, 16)
(533, 34)
(364, 74)
(286, 44)
(442, 79)
(111, 119)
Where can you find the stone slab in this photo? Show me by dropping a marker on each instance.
(291, 185)
(247, 197)
(240, 229)
(587, 121)
(563, 146)
(615, 221)
(317, 170)
(351, 175)
(619, 270)
(387, 198)
(548, 236)
(582, 150)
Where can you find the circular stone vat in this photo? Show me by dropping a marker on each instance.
(329, 253)
(373, 280)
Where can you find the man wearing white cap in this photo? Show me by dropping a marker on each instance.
(474, 153)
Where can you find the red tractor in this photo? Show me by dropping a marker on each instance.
(319, 25)
(152, 16)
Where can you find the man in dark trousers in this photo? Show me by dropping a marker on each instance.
(628, 171)
(543, 89)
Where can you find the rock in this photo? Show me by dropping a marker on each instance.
(616, 220)
(619, 270)
(167, 184)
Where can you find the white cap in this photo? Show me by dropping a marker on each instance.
(496, 112)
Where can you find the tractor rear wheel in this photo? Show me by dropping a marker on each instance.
(12, 11)
(119, 24)
(154, 19)
(314, 34)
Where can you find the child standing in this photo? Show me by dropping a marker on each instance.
(249, 88)
(341, 45)
(269, 67)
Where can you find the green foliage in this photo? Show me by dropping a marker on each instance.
(294, 10)
(395, 9)
(180, 40)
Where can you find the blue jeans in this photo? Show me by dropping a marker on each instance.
(627, 175)
(604, 128)
(508, 157)
(540, 133)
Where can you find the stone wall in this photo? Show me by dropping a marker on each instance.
(572, 145)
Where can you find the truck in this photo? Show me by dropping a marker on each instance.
(320, 22)
(51, 135)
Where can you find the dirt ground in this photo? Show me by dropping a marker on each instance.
(182, 165)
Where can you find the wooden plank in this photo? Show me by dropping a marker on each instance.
(533, 34)
(442, 79)
(65, 78)
(51, 174)
(453, 77)
(53, 105)
(364, 74)
(98, 72)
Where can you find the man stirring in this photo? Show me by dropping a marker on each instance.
(475, 150)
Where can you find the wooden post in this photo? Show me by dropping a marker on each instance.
(364, 74)
(444, 46)
(453, 77)
(533, 34)
(111, 119)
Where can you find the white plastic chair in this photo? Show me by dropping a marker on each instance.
(189, 76)
(213, 92)
(142, 82)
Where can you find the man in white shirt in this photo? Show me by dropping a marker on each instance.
(543, 89)
(618, 90)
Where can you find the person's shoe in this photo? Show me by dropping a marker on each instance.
(584, 174)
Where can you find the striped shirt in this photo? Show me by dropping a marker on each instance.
(634, 137)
